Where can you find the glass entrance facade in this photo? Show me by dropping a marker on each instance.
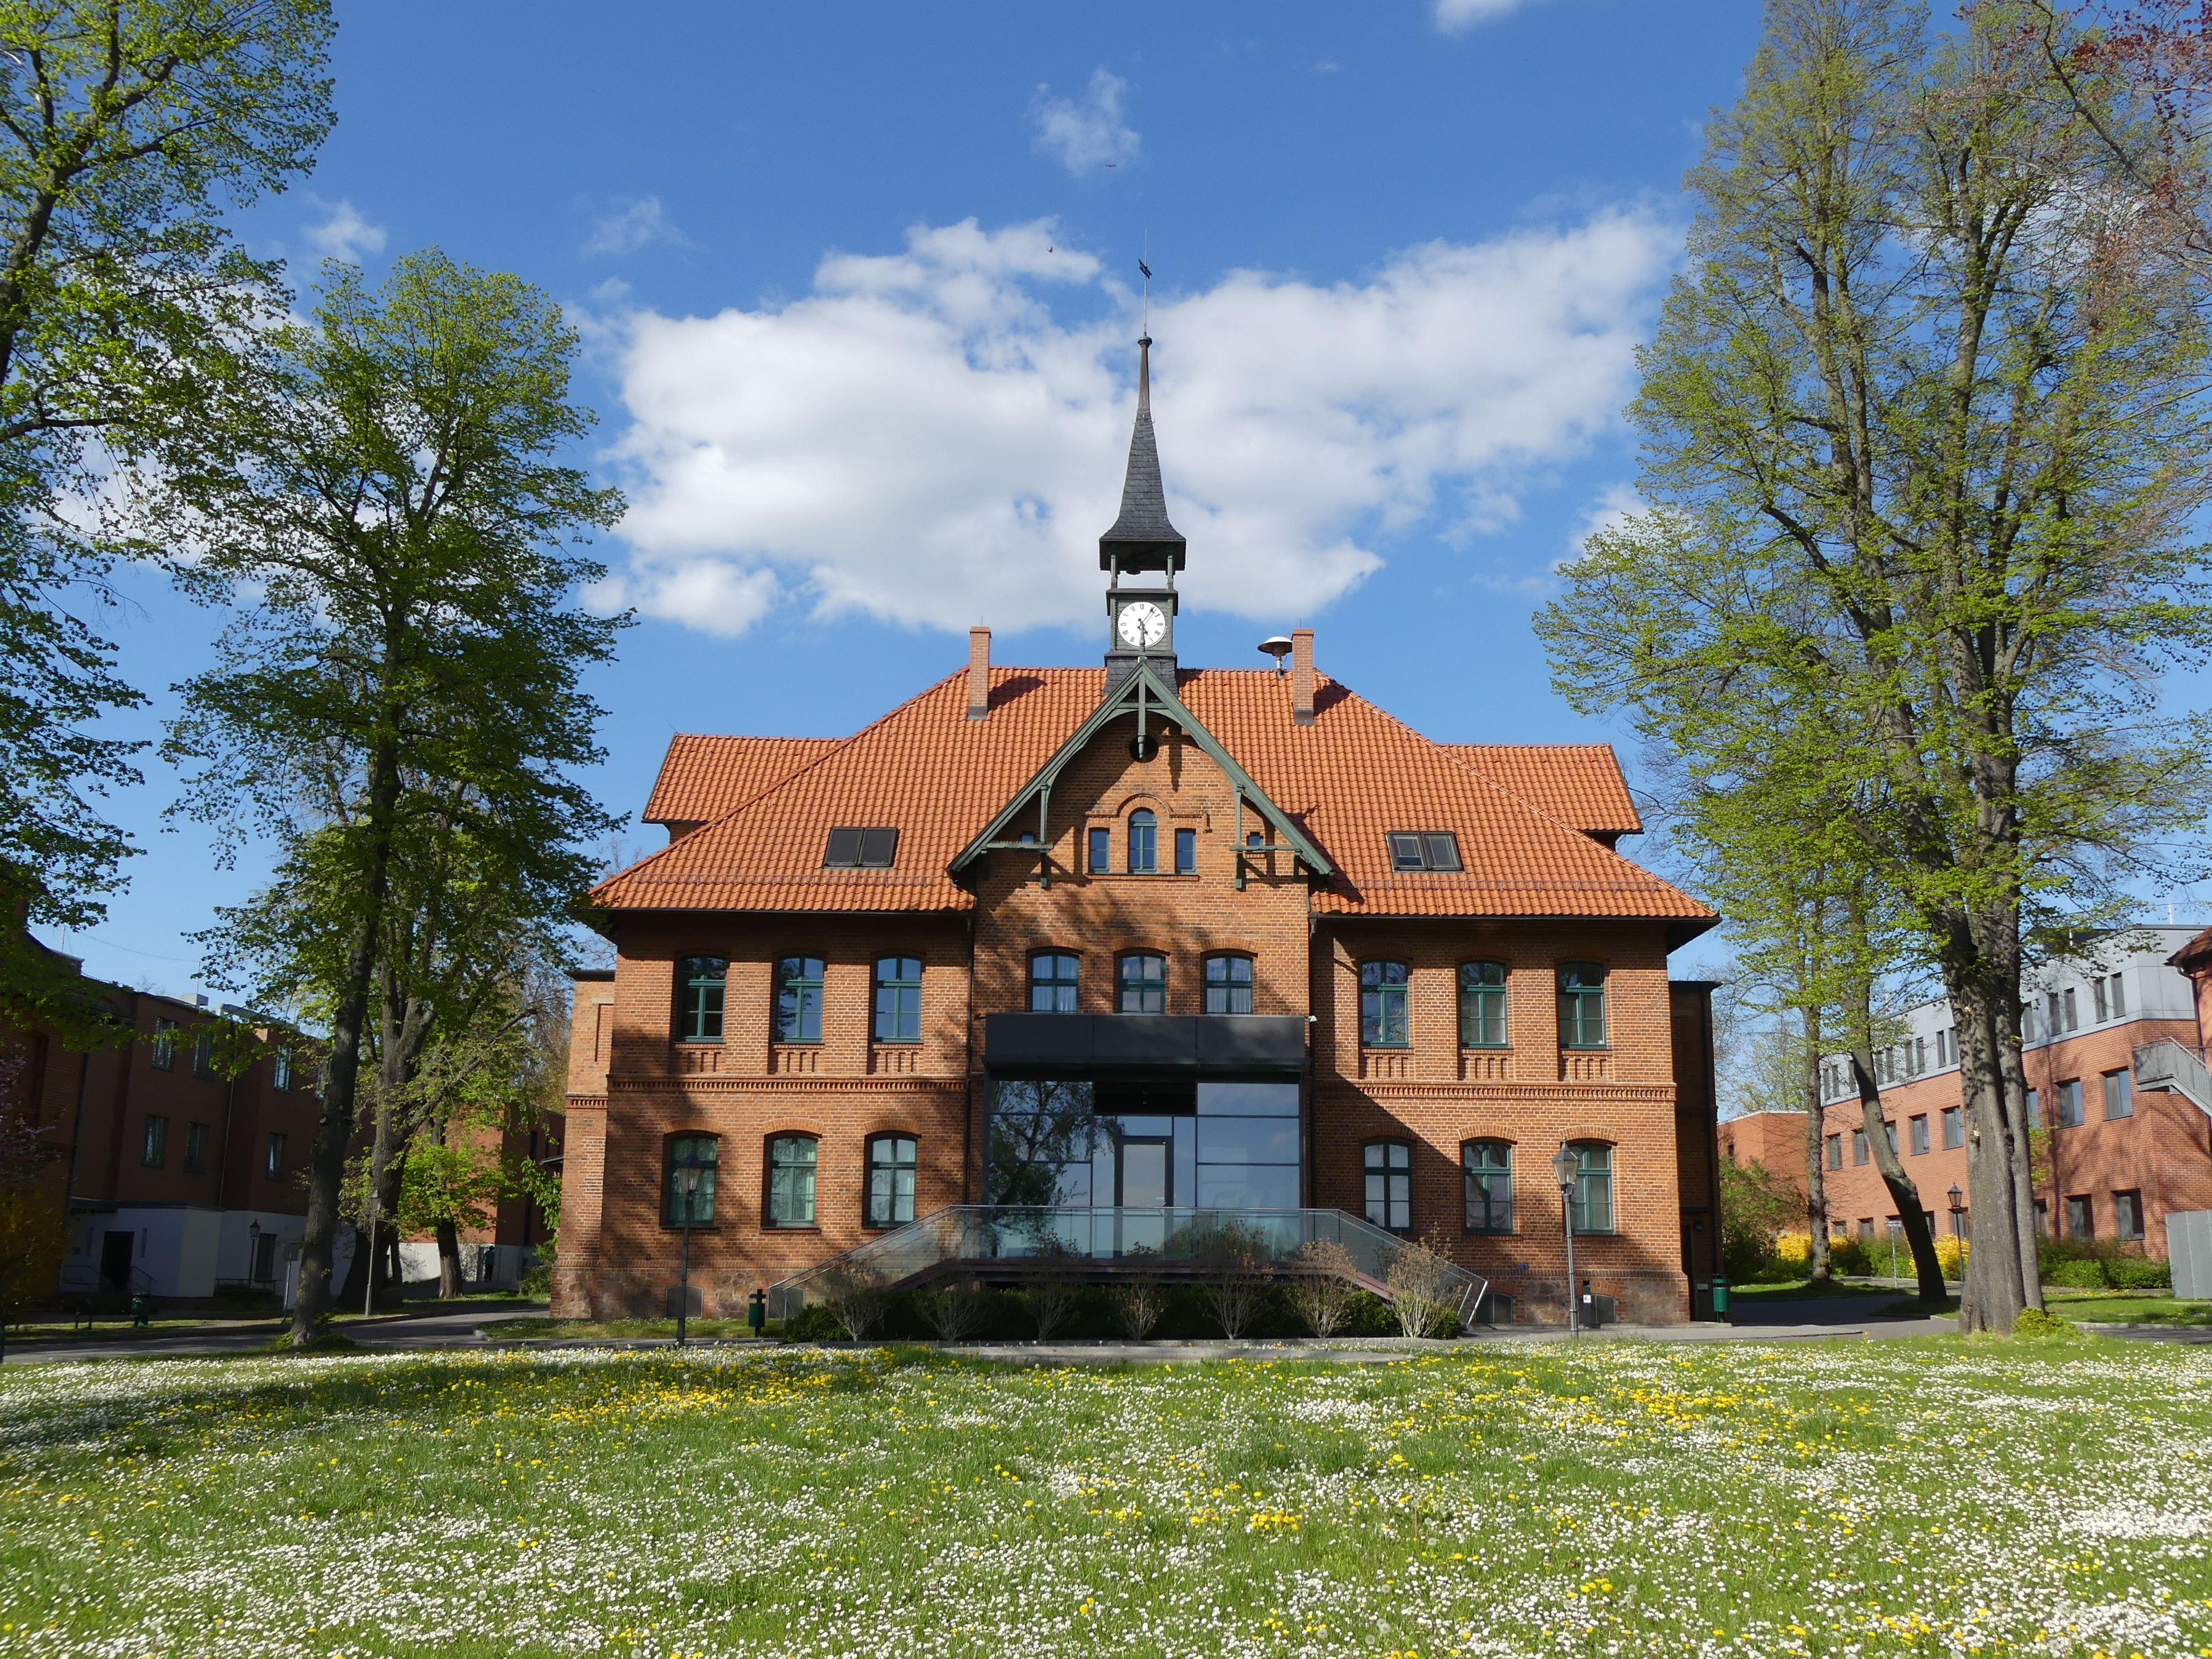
(1144, 1144)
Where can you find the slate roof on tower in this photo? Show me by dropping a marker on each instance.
(1349, 779)
(1142, 538)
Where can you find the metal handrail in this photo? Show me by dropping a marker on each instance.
(2177, 1068)
(1107, 1242)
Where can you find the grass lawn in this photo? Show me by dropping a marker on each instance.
(1796, 1290)
(2155, 1309)
(1848, 1499)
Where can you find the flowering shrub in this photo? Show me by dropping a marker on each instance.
(1861, 1499)
(1793, 1249)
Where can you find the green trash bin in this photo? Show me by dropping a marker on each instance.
(1720, 1296)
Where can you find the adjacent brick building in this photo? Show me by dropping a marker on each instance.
(1277, 948)
(2120, 1154)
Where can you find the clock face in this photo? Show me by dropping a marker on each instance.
(1143, 623)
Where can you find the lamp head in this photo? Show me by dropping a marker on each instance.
(1567, 1166)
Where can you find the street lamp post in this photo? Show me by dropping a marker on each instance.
(1959, 1227)
(1567, 1166)
(687, 1192)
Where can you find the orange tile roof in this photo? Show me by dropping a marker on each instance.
(1347, 780)
(702, 778)
(1577, 783)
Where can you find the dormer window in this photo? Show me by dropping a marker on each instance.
(1424, 849)
(861, 849)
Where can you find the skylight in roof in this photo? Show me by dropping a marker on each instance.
(872, 849)
(1424, 849)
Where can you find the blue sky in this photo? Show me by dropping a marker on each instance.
(859, 286)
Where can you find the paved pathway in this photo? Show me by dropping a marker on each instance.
(445, 1330)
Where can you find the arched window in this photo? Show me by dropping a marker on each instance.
(1489, 1166)
(1591, 1203)
(1389, 1169)
(1382, 1006)
(1482, 1004)
(791, 1166)
(700, 982)
(688, 1189)
(1144, 983)
(1582, 1006)
(1229, 985)
(898, 999)
(890, 1180)
(1143, 843)
(798, 999)
(1055, 978)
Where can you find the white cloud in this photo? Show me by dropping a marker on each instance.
(345, 234)
(1616, 504)
(1087, 134)
(1457, 17)
(922, 440)
(632, 226)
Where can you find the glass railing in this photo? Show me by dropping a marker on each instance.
(1102, 1242)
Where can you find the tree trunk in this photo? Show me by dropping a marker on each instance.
(449, 1261)
(1994, 1291)
(1816, 1179)
(1902, 1191)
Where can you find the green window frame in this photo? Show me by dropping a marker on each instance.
(793, 1164)
(1055, 981)
(1489, 1166)
(701, 990)
(1382, 1019)
(798, 999)
(1482, 1004)
(1143, 843)
(1387, 1166)
(1582, 1006)
(1185, 849)
(1144, 981)
(1229, 984)
(1100, 859)
(898, 1000)
(1590, 1206)
(891, 1169)
(677, 1207)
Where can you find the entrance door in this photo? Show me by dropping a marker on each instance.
(1144, 1174)
(115, 1253)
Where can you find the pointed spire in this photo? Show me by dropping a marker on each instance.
(1142, 538)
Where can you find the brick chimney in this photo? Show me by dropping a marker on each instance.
(1301, 676)
(979, 673)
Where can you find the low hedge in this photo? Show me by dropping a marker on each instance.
(1006, 1318)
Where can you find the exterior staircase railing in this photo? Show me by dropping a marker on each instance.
(2168, 1064)
(1017, 1242)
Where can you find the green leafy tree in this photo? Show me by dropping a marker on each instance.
(1756, 1204)
(386, 502)
(1925, 434)
(127, 127)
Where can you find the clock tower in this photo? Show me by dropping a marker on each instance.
(1142, 552)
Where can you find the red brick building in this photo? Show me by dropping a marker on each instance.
(1130, 942)
(2128, 1141)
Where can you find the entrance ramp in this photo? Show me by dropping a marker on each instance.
(2168, 1064)
(1014, 1242)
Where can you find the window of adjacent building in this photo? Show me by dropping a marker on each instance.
(1835, 1151)
(1582, 1005)
(2042, 1219)
(1919, 1126)
(1489, 1166)
(1482, 1004)
(798, 999)
(1186, 851)
(1889, 1134)
(898, 999)
(1942, 1049)
(1859, 1151)
(2080, 1218)
(1144, 983)
(2073, 1015)
(165, 1044)
(852, 849)
(1053, 981)
(1866, 1229)
(272, 1164)
(1389, 1170)
(700, 985)
(2119, 998)
(280, 1072)
(2032, 1107)
(2127, 1216)
(1383, 1021)
(2070, 1103)
(686, 1203)
(2119, 1095)
(1143, 843)
(1229, 985)
(1424, 849)
(203, 1054)
(2098, 1000)
(890, 1180)
(196, 1139)
(154, 1152)
(1100, 859)
(791, 1167)
(1590, 1205)
(1954, 1128)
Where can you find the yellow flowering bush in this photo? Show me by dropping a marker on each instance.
(1793, 1249)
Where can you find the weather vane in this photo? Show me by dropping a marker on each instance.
(1147, 270)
